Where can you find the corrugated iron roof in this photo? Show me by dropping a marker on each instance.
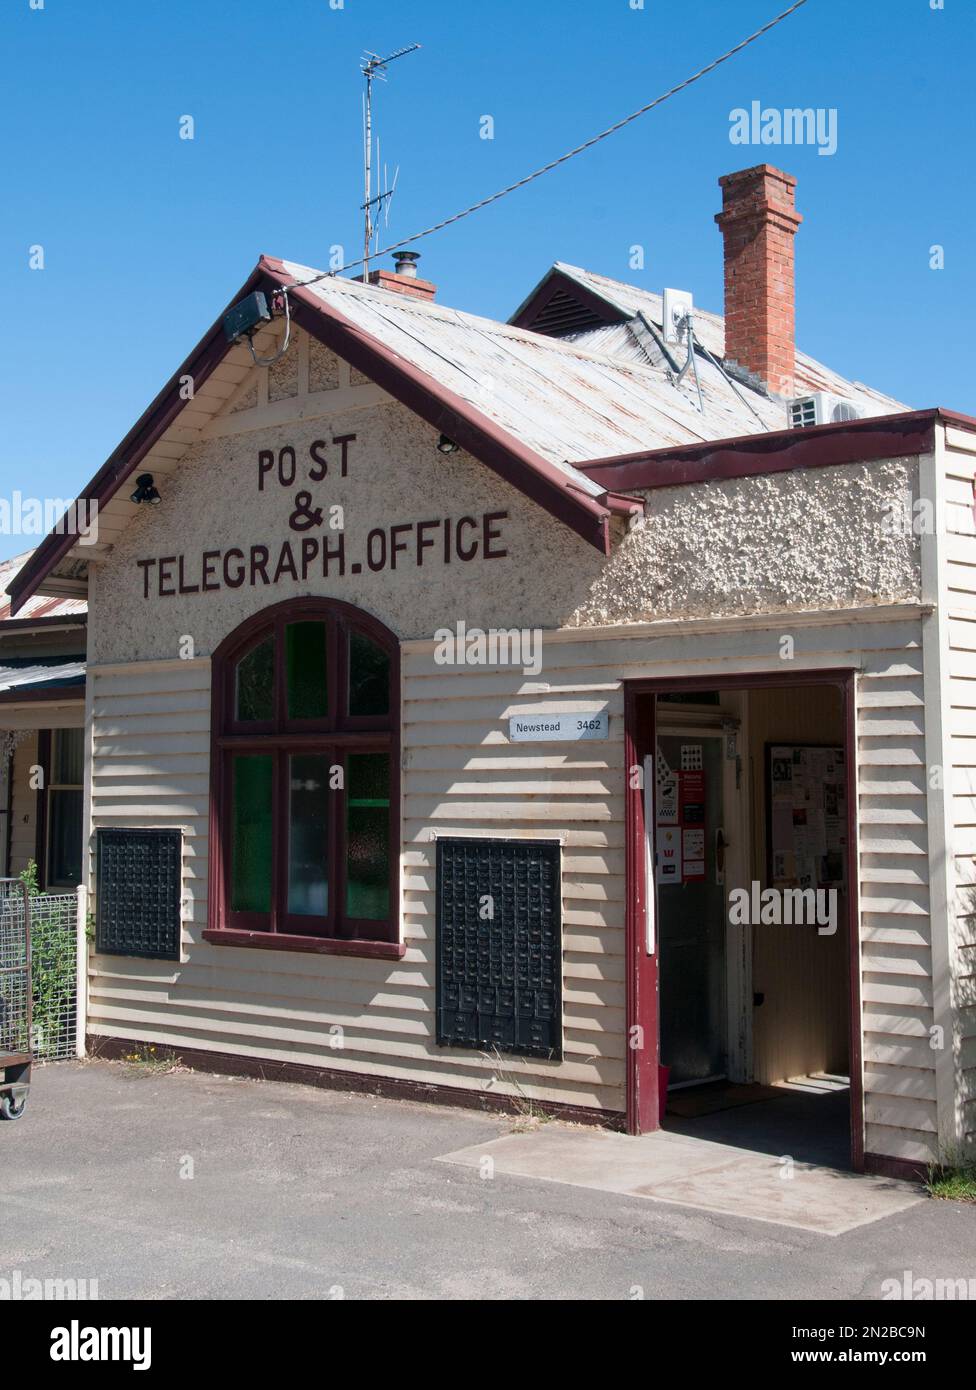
(568, 400)
(53, 674)
(39, 605)
(533, 407)
(629, 301)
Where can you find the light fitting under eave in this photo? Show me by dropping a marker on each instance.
(447, 446)
(146, 491)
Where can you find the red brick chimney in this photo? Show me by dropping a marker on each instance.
(403, 278)
(758, 222)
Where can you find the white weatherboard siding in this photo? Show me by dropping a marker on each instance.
(462, 776)
(959, 598)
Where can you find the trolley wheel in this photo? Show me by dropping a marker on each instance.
(11, 1108)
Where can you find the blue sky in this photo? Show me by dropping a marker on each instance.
(146, 236)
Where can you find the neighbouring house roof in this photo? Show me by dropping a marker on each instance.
(593, 311)
(42, 610)
(537, 409)
(26, 679)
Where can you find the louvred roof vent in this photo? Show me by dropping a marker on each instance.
(563, 314)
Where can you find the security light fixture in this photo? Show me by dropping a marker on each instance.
(447, 446)
(146, 491)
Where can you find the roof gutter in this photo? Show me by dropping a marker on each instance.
(26, 626)
(43, 694)
(852, 441)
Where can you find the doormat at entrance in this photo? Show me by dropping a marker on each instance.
(720, 1095)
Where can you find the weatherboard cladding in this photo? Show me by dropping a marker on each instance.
(960, 602)
(462, 776)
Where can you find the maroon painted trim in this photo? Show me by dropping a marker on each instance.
(251, 929)
(622, 504)
(316, 945)
(360, 1083)
(640, 1118)
(551, 284)
(851, 441)
(957, 417)
(642, 1040)
(49, 694)
(447, 412)
(905, 1169)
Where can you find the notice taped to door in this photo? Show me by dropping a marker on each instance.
(680, 817)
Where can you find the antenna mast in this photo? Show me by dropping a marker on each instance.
(373, 66)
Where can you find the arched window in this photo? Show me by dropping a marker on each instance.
(304, 782)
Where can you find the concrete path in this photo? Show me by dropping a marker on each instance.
(689, 1171)
(197, 1186)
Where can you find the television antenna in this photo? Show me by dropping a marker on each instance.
(374, 68)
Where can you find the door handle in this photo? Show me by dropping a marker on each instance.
(721, 845)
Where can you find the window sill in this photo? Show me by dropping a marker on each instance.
(313, 945)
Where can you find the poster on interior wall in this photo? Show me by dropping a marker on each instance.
(806, 815)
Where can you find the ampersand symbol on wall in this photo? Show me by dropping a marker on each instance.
(305, 516)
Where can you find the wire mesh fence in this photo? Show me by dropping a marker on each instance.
(54, 925)
(14, 970)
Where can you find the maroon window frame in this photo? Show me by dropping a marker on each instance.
(335, 736)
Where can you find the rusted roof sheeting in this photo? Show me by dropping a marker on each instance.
(566, 402)
(37, 607)
(623, 302)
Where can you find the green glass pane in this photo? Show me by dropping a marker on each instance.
(308, 825)
(255, 684)
(251, 857)
(308, 696)
(369, 677)
(368, 836)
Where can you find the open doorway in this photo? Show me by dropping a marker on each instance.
(745, 971)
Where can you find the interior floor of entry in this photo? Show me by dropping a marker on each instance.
(807, 1120)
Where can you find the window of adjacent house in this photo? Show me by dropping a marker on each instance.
(306, 745)
(65, 793)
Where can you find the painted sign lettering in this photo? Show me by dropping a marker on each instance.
(320, 546)
(404, 544)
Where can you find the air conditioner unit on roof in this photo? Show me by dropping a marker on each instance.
(821, 408)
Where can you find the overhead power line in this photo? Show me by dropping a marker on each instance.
(570, 154)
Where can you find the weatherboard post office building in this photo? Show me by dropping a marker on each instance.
(472, 709)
